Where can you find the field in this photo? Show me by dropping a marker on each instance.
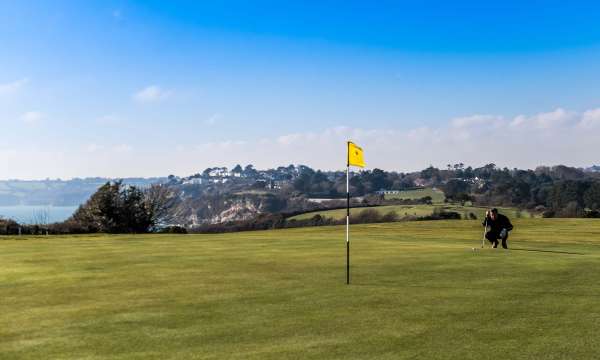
(418, 291)
(437, 196)
(415, 210)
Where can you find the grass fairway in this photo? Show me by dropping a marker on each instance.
(418, 292)
(414, 210)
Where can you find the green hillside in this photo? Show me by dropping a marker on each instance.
(416, 210)
(436, 195)
(418, 291)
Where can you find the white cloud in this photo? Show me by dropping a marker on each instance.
(91, 148)
(556, 137)
(548, 120)
(548, 138)
(591, 119)
(110, 119)
(150, 94)
(213, 119)
(32, 117)
(117, 14)
(122, 148)
(10, 88)
(489, 121)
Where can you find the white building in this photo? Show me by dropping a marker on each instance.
(194, 181)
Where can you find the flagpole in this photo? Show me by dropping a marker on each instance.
(348, 214)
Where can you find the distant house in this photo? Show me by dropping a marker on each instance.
(420, 182)
(388, 192)
(219, 172)
(276, 184)
(193, 181)
(593, 168)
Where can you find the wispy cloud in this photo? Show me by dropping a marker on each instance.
(93, 147)
(151, 94)
(32, 117)
(110, 119)
(590, 119)
(12, 87)
(477, 120)
(213, 119)
(568, 137)
(117, 14)
(555, 137)
(122, 148)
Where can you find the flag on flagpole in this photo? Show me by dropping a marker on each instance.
(355, 155)
(355, 158)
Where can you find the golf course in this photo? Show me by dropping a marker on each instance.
(416, 210)
(419, 290)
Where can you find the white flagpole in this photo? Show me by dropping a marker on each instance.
(348, 215)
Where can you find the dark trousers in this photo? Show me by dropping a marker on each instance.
(493, 237)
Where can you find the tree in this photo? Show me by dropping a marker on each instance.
(41, 219)
(591, 197)
(160, 201)
(116, 208)
(456, 190)
(564, 193)
(237, 169)
(250, 172)
(431, 173)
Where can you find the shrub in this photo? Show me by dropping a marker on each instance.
(173, 230)
(391, 216)
(365, 217)
(9, 227)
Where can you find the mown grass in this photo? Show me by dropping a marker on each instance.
(416, 210)
(418, 291)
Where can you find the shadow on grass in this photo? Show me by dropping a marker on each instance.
(548, 251)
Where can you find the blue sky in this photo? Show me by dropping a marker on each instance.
(126, 88)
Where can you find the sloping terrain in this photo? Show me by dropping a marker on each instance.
(418, 291)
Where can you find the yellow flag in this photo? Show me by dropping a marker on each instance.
(355, 155)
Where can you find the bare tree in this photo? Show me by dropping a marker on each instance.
(41, 218)
(160, 201)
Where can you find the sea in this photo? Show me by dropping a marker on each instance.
(27, 214)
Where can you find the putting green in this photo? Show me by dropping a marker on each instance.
(418, 291)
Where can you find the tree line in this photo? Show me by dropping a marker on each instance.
(558, 191)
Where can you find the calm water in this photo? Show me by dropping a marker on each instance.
(27, 213)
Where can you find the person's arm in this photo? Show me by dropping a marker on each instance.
(508, 226)
(486, 219)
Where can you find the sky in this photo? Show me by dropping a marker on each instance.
(152, 88)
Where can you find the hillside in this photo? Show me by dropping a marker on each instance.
(417, 211)
(218, 195)
(418, 291)
(437, 196)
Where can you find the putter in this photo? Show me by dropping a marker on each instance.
(484, 231)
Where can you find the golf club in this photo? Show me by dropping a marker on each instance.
(484, 231)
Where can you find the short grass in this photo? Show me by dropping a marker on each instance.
(418, 292)
(436, 195)
(416, 210)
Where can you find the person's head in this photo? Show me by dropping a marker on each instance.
(494, 213)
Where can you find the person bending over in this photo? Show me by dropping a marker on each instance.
(498, 227)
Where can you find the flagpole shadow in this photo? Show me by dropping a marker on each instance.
(547, 251)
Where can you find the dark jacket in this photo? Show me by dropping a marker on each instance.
(500, 223)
